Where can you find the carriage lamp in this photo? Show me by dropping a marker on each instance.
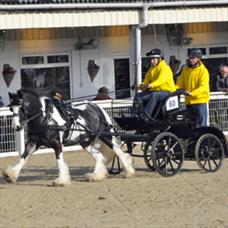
(8, 74)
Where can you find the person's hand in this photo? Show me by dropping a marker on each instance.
(134, 87)
(144, 87)
(187, 93)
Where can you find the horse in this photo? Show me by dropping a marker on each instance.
(89, 126)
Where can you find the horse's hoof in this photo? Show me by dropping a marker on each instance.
(129, 173)
(9, 175)
(60, 183)
(96, 177)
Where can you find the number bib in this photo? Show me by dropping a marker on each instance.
(172, 103)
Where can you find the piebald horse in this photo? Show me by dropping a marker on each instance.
(48, 128)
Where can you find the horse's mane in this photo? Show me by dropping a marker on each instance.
(28, 91)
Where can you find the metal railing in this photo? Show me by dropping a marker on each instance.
(11, 142)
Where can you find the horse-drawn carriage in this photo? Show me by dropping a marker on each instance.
(171, 137)
(166, 140)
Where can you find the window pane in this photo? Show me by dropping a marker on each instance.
(218, 50)
(29, 60)
(58, 59)
(44, 80)
(202, 49)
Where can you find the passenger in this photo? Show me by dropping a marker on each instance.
(222, 79)
(103, 94)
(194, 79)
(157, 85)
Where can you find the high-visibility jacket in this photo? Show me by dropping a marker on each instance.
(196, 81)
(160, 77)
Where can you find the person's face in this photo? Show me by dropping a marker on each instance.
(154, 61)
(224, 72)
(193, 60)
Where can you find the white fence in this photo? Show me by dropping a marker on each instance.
(13, 142)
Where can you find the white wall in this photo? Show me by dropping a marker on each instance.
(108, 49)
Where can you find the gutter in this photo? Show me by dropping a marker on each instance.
(111, 5)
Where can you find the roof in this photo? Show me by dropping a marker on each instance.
(13, 2)
(25, 14)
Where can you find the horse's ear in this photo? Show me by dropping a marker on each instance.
(10, 95)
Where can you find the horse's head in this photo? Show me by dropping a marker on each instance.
(25, 105)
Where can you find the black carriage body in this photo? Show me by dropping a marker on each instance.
(207, 145)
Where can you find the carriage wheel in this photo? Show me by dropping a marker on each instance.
(167, 154)
(209, 152)
(148, 156)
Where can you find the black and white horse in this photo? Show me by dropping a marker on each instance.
(86, 127)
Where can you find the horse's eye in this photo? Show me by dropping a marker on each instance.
(11, 109)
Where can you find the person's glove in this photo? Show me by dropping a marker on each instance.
(144, 87)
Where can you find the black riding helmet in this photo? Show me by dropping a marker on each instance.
(195, 53)
(155, 53)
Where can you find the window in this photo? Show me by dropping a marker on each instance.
(46, 73)
(217, 50)
(58, 59)
(30, 60)
(202, 49)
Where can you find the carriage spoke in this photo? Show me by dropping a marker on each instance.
(209, 163)
(205, 161)
(171, 165)
(214, 162)
(178, 163)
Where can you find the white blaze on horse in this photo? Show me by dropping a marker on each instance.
(85, 127)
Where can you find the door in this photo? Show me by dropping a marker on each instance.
(122, 78)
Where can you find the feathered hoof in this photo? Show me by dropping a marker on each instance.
(9, 175)
(96, 177)
(129, 173)
(61, 183)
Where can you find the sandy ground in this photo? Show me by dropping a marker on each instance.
(192, 198)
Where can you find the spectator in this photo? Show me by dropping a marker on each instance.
(102, 94)
(222, 79)
(1, 102)
(194, 78)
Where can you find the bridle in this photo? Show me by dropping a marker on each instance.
(22, 115)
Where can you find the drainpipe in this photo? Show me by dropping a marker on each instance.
(138, 45)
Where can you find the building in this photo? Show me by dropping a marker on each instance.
(78, 46)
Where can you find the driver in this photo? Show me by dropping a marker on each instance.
(157, 85)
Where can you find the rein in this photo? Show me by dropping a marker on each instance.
(33, 117)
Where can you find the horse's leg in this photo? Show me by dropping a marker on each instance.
(11, 173)
(125, 158)
(64, 174)
(100, 171)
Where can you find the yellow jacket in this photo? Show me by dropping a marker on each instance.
(195, 81)
(160, 78)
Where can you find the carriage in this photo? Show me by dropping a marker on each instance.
(171, 137)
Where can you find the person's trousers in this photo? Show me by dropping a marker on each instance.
(200, 110)
(149, 99)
